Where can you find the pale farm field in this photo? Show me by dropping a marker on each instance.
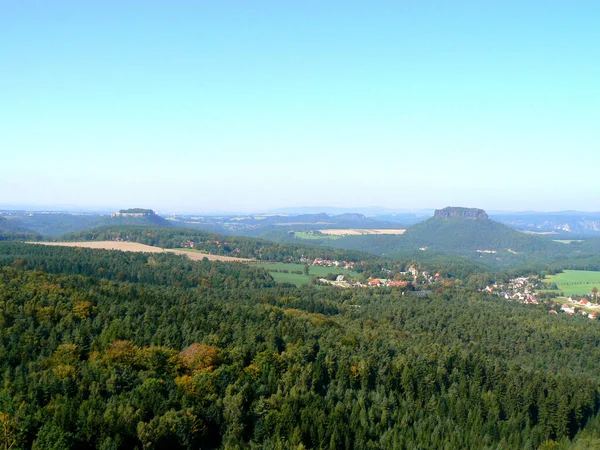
(360, 231)
(136, 247)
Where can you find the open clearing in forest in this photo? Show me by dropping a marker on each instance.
(136, 247)
(281, 272)
(360, 231)
(575, 282)
(197, 255)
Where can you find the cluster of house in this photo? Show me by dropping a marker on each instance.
(583, 301)
(414, 273)
(520, 289)
(219, 243)
(411, 272)
(330, 263)
(372, 282)
(571, 308)
(383, 282)
(341, 282)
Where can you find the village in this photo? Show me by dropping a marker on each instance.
(519, 289)
(372, 282)
(525, 290)
(411, 273)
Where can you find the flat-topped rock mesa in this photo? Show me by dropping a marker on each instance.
(136, 217)
(462, 213)
(134, 212)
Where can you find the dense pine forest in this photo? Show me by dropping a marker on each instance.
(118, 350)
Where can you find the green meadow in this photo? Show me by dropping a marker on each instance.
(275, 269)
(575, 282)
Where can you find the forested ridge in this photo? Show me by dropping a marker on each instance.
(105, 349)
(265, 250)
(217, 244)
(156, 268)
(13, 231)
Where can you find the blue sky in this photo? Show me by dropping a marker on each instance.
(248, 106)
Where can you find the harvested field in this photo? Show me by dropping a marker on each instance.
(136, 247)
(360, 231)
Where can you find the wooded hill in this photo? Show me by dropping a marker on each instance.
(7, 225)
(119, 350)
(467, 233)
(10, 230)
(56, 224)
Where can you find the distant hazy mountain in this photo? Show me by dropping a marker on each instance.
(11, 229)
(58, 223)
(368, 211)
(11, 225)
(55, 224)
(566, 222)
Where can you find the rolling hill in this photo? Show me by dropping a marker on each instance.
(55, 224)
(7, 225)
(13, 230)
(217, 244)
(49, 223)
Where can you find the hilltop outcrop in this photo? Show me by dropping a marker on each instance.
(463, 213)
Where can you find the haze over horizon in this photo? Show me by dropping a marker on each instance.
(289, 210)
(237, 107)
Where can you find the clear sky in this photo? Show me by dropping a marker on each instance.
(251, 105)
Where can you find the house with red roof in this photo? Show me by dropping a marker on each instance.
(567, 309)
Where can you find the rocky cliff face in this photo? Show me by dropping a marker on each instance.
(463, 213)
(134, 212)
